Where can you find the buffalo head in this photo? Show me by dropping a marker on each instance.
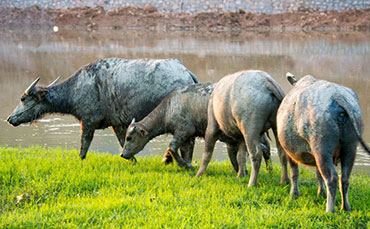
(136, 139)
(32, 105)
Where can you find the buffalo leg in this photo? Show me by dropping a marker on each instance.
(181, 140)
(252, 139)
(167, 158)
(321, 189)
(211, 136)
(86, 138)
(348, 153)
(120, 134)
(176, 142)
(187, 150)
(284, 178)
(324, 161)
(232, 151)
(242, 160)
(266, 153)
(282, 157)
(294, 175)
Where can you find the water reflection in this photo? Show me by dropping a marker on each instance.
(342, 57)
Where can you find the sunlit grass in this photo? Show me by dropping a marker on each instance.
(54, 188)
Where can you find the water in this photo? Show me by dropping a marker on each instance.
(341, 57)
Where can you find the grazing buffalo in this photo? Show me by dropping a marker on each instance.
(319, 124)
(243, 106)
(182, 113)
(108, 92)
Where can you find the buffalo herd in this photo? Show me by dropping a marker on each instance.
(317, 123)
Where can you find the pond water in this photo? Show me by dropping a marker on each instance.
(341, 57)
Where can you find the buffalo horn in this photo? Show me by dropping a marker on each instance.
(291, 78)
(54, 82)
(32, 86)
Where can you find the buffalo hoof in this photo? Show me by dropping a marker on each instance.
(233, 171)
(200, 173)
(83, 157)
(269, 166)
(284, 181)
(189, 166)
(321, 192)
(252, 185)
(346, 209)
(167, 159)
(294, 193)
(242, 174)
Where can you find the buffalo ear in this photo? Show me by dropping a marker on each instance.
(40, 94)
(143, 132)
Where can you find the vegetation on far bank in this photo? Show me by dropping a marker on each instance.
(54, 188)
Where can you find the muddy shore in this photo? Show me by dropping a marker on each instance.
(149, 17)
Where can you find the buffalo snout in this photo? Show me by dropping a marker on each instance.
(125, 156)
(128, 157)
(11, 121)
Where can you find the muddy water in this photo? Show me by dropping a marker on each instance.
(341, 57)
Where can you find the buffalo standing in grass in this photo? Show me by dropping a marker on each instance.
(243, 106)
(182, 113)
(108, 92)
(320, 124)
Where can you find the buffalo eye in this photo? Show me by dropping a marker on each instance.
(22, 99)
(129, 138)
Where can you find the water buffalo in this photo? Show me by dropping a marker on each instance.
(108, 92)
(319, 124)
(242, 106)
(182, 113)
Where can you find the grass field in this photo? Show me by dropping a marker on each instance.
(54, 188)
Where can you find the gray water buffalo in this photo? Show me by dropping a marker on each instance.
(243, 106)
(183, 113)
(320, 124)
(106, 93)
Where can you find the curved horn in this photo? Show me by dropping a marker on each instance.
(32, 86)
(54, 82)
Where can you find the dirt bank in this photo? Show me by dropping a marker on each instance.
(149, 17)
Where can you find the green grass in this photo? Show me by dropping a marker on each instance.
(56, 189)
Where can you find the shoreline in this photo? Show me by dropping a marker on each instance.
(148, 17)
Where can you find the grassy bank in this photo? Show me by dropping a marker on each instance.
(52, 187)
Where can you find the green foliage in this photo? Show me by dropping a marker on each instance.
(54, 188)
